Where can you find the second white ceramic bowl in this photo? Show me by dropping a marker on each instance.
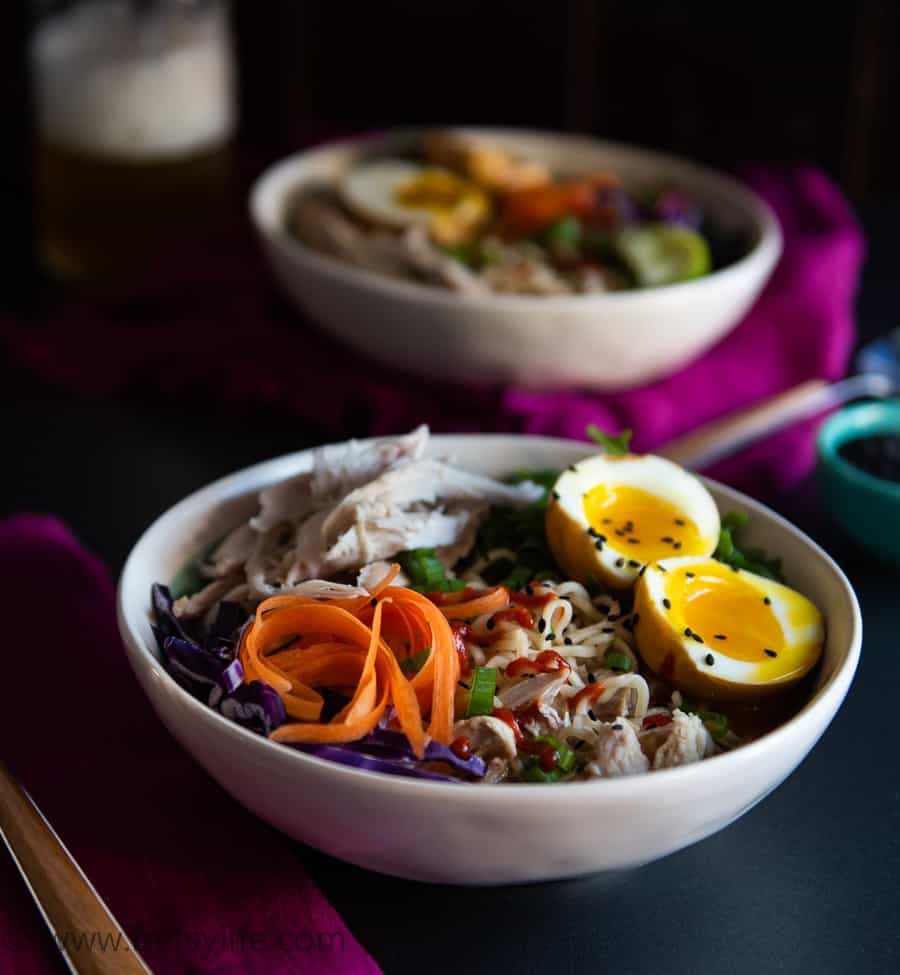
(602, 341)
(480, 834)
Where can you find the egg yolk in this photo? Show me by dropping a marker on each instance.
(434, 191)
(726, 612)
(641, 524)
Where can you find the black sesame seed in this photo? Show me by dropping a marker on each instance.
(634, 541)
(620, 563)
(598, 545)
(550, 635)
(592, 532)
(642, 570)
(697, 638)
(767, 601)
(677, 546)
(617, 727)
(634, 563)
(680, 521)
(620, 532)
(661, 567)
(688, 631)
(720, 636)
(770, 653)
(667, 604)
(542, 625)
(667, 539)
(689, 575)
(710, 659)
(568, 641)
(606, 521)
(602, 538)
(491, 624)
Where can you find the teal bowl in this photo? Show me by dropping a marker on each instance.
(866, 507)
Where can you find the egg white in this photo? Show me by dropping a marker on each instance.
(370, 190)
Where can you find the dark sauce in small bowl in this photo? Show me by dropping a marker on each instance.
(878, 455)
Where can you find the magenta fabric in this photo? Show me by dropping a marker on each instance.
(198, 883)
(207, 326)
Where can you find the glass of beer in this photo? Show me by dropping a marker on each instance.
(135, 115)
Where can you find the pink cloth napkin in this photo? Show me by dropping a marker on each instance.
(197, 882)
(206, 327)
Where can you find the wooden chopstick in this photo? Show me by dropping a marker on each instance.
(84, 929)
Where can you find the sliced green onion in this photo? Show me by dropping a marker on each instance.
(534, 773)
(616, 660)
(412, 665)
(716, 723)
(481, 696)
(563, 235)
(566, 755)
(426, 572)
(616, 445)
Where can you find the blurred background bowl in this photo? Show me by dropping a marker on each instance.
(866, 507)
(601, 341)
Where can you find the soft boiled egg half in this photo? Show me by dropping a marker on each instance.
(398, 193)
(609, 516)
(721, 633)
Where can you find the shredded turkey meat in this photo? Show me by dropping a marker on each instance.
(360, 503)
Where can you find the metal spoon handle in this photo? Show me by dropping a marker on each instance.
(722, 438)
(84, 929)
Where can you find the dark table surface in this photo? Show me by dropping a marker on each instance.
(805, 882)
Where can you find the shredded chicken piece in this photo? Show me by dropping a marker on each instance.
(682, 742)
(360, 503)
(540, 690)
(618, 751)
(489, 737)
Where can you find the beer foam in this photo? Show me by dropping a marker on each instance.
(113, 82)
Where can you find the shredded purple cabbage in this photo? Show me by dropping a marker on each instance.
(675, 206)
(344, 755)
(207, 666)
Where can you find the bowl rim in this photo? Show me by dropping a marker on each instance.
(801, 726)
(284, 175)
(853, 423)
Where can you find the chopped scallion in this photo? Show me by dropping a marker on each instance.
(481, 696)
(616, 660)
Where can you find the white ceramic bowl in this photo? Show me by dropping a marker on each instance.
(604, 341)
(480, 834)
